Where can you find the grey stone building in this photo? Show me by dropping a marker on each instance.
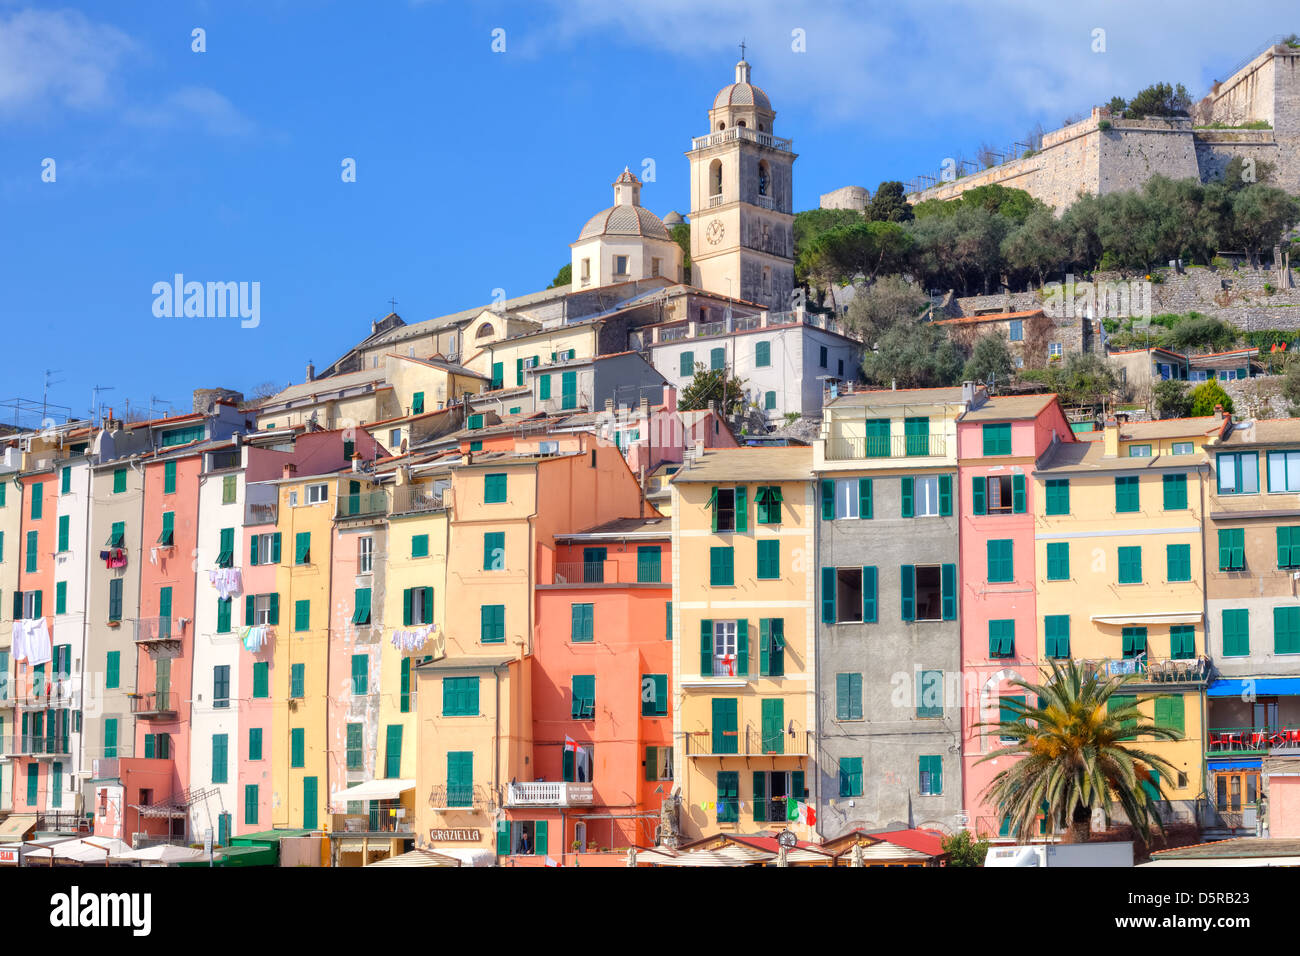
(888, 645)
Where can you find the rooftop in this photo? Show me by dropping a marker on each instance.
(1091, 456)
(749, 464)
(994, 317)
(649, 528)
(1268, 431)
(1171, 428)
(1004, 407)
(947, 395)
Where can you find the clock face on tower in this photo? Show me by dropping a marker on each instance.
(714, 232)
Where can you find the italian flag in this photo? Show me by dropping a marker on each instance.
(801, 812)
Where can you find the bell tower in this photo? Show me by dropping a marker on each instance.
(742, 220)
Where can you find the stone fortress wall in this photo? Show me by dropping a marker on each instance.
(1103, 154)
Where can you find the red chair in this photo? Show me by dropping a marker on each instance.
(1217, 742)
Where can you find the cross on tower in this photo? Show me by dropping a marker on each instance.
(742, 48)
(392, 305)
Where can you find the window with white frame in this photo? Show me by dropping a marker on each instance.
(1283, 471)
(365, 554)
(263, 544)
(846, 497)
(1184, 448)
(293, 499)
(261, 609)
(724, 648)
(316, 494)
(1017, 330)
(925, 496)
(1054, 349)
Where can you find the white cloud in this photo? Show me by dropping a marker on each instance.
(51, 59)
(193, 107)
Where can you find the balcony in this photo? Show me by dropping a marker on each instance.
(745, 133)
(46, 694)
(1251, 740)
(36, 745)
(1155, 670)
(362, 504)
(933, 445)
(577, 574)
(751, 743)
(471, 799)
(549, 794)
(415, 499)
(153, 705)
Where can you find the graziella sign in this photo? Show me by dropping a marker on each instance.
(454, 836)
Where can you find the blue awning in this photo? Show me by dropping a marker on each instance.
(1254, 687)
(1246, 763)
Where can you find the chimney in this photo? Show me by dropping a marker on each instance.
(1218, 413)
(289, 470)
(356, 462)
(311, 371)
(1110, 438)
(968, 394)
(609, 406)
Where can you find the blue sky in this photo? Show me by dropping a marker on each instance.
(475, 169)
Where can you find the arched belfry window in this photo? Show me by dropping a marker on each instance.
(721, 126)
(741, 123)
(715, 178)
(764, 178)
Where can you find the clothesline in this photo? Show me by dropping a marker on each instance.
(227, 581)
(31, 641)
(413, 640)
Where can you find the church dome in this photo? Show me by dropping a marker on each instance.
(674, 218)
(625, 221)
(742, 92)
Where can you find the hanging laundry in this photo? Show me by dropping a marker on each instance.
(227, 581)
(116, 558)
(255, 636)
(413, 640)
(19, 640)
(153, 555)
(38, 646)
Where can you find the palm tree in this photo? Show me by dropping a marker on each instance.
(1074, 756)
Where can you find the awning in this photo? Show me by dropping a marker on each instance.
(1253, 687)
(86, 850)
(1193, 617)
(699, 858)
(471, 857)
(1246, 763)
(18, 826)
(419, 858)
(163, 853)
(362, 846)
(376, 790)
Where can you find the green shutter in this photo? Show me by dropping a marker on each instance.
(66, 477)
(866, 505)
(302, 615)
(978, 490)
(1175, 492)
(686, 364)
(273, 614)
(37, 510)
(360, 673)
(828, 595)
(393, 752)
(769, 559)
(945, 495)
(1058, 561)
(261, 678)
(223, 615)
(219, 762)
(1130, 565)
(870, 587)
(297, 739)
(1178, 562)
(907, 590)
(772, 725)
(1126, 494)
(1236, 632)
(706, 648)
(760, 796)
(1058, 496)
(65, 524)
(948, 591)
(1286, 630)
(1056, 629)
(119, 481)
(1182, 642)
(297, 680)
(742, 508)
(302, 547)
(908, 488)
(1018, 494)
(255, 743)
(828, 500)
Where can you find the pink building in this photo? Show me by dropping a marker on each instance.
(998, 443)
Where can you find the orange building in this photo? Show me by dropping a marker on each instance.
(602, 724)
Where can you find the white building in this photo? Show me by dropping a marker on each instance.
(624, 242)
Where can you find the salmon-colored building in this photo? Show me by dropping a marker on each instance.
(39, 744)
(998, 442)
(602, 724)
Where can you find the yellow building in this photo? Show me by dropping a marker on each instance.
(509, 362)
(1121, 574)
(474, 707)
(299, 610)
(744, 639)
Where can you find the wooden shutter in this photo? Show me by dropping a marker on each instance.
(275, 548)
(945, 495)
(742, 648)
(1018, 494)
(907, 588)
(866, 505)
(828, 499)
(742, 508)
(828, 595)
(948, 591)
(764, 644)
(978, 490)
(909, 487)
(274, 617)
(706, 648)
(406, 607)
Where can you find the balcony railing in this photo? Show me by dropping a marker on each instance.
(1251, 739)
(780, 743)
(36, 745)
(579, 573)
(155, 630)
(549, 794)
(153, 704)
(415, 499)
(261, 504)
(443, 797)
(675, 334)
(741, 132)
(47, 693)
(1156, 670)
(747, 743)
(362, 503)
(931, 445)
(63, 822)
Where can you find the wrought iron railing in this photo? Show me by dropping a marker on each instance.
(362, 503)
(934, 444)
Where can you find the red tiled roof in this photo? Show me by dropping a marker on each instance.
(994, 317)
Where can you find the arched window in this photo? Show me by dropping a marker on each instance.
(715, 178)
(484, 331)
(721, 126)
(764, 177)
(741, 123)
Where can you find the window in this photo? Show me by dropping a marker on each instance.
(302, 548)
(1001, 564)
(417, 606)
(1011, 710)
(584, 270)
(1002, 638)
(261, 679)
(1283, 471)
(1056, 631)
(649, 564)
(848, 696)
(1054, 350)
(419, 545)
(460, 778)
(61, 597)
(577, 762)
(762, 354)
(1016, 331)
(1236, 632)
(119, 480)
(1238, 473)
(297, 678)
(997, 439)
(929, 694)
(474, 422)
(583, 705)
(654, 695)
(361, 606)
(686, 364)
(1133, 642)
(931, 771)
(360, 673)
(1175, 489)
(1288, 546)
(264, 548)
(182, 436)
(297, 747)
(169, 478)
(1126, 494)
(821, 357)
(221, 685)
(1182, 642)
(728, 796)
(1058, 496)
(302, 615)
(393, 752)
(1232, 549)
(1058, 561)
(769, 560)
(65, 527)
(769, 401)
(771, 648)
(1130, 565)
(849, 595)
(581, 623)
(317, 494)
(112, 671)
(717, 359)
(37, 504)
(220, 758)
(365, 554)
(417, 404)
(852, 497)
(226, 548)
(492, 624)
(620, 265)
(1139, 451)
(1178, 562)
(494, 488)
(850, 776)
(916, 432)
(656, 264)
(722, 567)
(167, 537)
(998, 494)
(1286, 630)
(115, 599)
(1183, 448)
(768, 499)
(929, 592)
(926, 497)
(460, 697)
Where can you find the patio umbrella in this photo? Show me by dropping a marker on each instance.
(782, 856)
(631, 856)
(164, 853)
(856, 859)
